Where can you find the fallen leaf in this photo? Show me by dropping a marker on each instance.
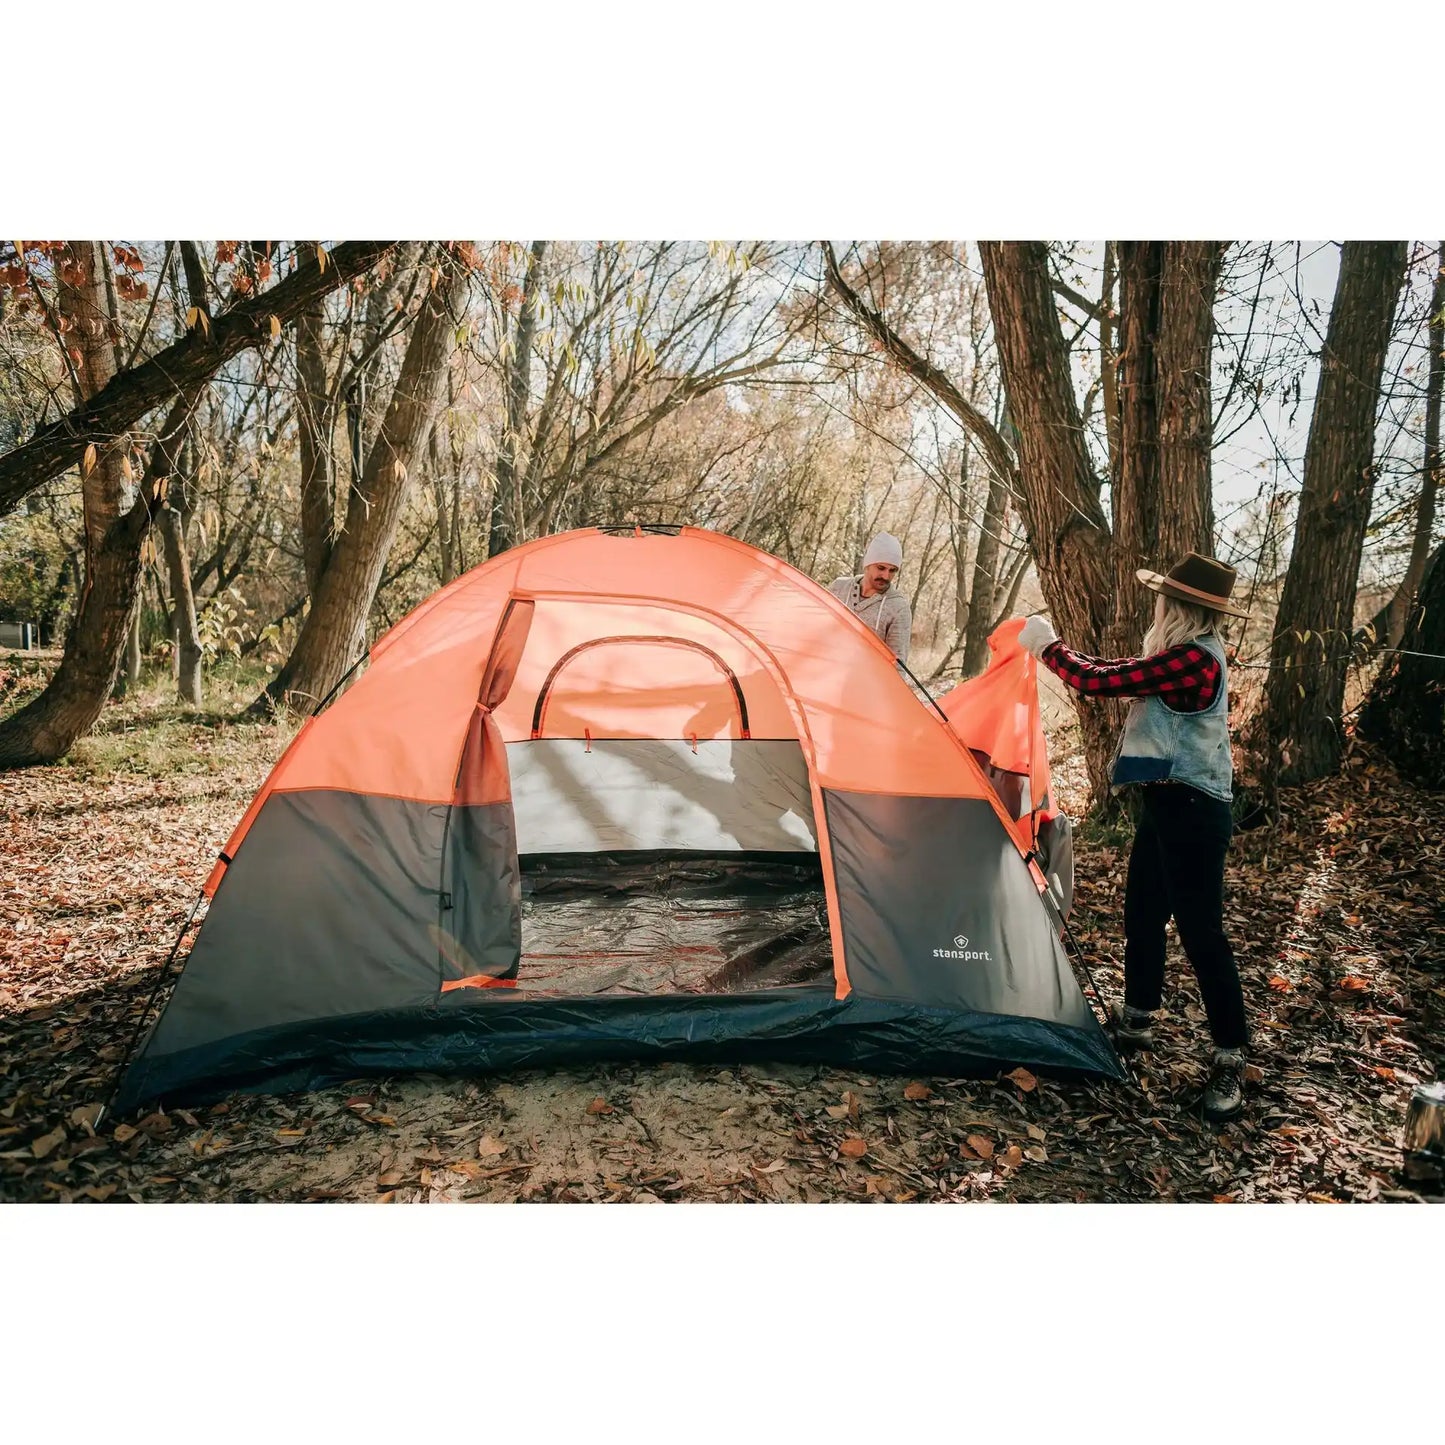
(1037, 1153)
(388, 1198)
(1353, 983)
(291, 1133)
(1385, 1072)
(124, 1133)
(1036, 1133)
(916, 1090)
(85, 1115)
(1253, 1074)
(599, 1105)
(964, 1152)
(774, 1166)
(1280, 985)
(1013, 1156)
(853, 1148)
(98, 1192)
(47, 1144)
(851, 1100)
(981, 1146)
(426, 1178)
(390, 1179)
(1023, 1079)
(489, 1148)
(837, 1111)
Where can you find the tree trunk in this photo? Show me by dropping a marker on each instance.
(985, 579)
(1109, 357)
(45, 728)
(1310, 650)
(314, 425)
(437, 448)
(1405, 712)
(186, 634)
(334, 634)
(1163, 504)
(1390, 628)
(1068, 534)
(1136, 500)
(132, 645)
(105, 487)
(507, 509)
(178, 369)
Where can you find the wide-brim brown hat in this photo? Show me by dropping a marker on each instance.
(1200, 580)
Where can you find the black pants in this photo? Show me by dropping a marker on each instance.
(1176, 870)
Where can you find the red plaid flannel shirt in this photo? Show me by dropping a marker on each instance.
(1186, 677)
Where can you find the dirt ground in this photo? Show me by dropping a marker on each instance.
(1336, 913)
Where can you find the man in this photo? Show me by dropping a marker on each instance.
(871, 595)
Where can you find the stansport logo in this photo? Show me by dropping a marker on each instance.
(963, 952)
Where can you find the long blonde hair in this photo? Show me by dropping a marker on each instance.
(1178, 622)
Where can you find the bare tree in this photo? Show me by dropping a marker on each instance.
(1310, 650)
(333, 636)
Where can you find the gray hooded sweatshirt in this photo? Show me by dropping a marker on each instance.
(889, 616)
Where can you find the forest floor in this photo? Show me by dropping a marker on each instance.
(1337, 913)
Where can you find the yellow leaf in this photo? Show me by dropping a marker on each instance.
(320, 258)
(87, 462)
(193, 317)
(275, 326)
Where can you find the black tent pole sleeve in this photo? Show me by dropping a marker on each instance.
(341, 681)
(921, 688)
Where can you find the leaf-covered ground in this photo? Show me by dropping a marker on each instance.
(1336, 913)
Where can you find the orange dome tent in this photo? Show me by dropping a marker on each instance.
(612, 795)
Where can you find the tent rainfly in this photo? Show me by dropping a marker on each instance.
(642, 794)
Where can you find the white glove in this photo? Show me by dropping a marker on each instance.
(1037, 633)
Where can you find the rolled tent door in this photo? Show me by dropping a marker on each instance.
(479, 924)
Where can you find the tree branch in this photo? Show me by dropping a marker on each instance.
(119, 404)
(995, 450)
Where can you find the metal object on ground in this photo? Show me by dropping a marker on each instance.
(1425, 1133)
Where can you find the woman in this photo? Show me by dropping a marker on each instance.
(1175, 748)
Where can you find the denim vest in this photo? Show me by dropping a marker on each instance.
(1159, 744)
